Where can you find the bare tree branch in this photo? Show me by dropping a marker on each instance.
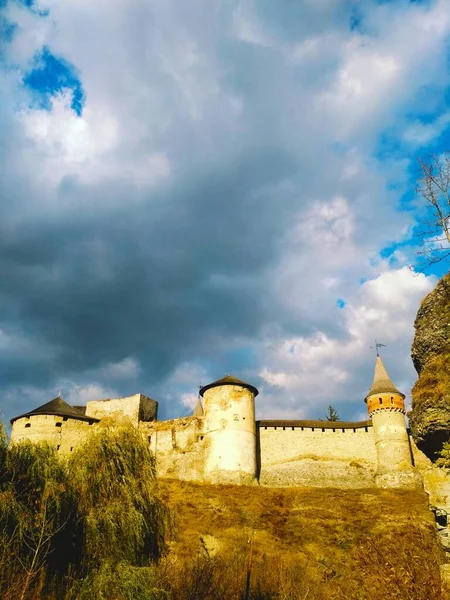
(434, 187)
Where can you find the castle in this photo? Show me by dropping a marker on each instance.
(223, 443)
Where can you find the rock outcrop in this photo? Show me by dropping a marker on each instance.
(430, 414)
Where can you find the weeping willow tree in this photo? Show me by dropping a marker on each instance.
(115, 478)
(36, 504)
(123, 521)
(88, 527)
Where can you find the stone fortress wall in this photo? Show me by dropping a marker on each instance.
(315, 453)
(62, 432)
(223, 443)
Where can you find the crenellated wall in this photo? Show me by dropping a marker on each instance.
(214, 448)
(317, 454)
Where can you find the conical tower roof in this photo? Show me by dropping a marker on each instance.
(58, 407)
(382, 383)
(198, 409)
(229, 380)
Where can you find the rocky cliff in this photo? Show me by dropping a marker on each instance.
(430, 414)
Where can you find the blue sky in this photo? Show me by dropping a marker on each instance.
(198, 189)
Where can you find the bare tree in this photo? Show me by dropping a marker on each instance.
(434, 187)
(37, 539)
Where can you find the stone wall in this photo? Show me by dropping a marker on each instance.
(316, 456)
(63, 433)
(179, 447)
(136, 408)
(436, 483)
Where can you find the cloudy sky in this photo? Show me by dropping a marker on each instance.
(191, 189)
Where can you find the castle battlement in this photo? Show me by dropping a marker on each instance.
(222, 442)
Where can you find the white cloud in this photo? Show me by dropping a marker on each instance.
(78, 395)
(189, 400)
(382, 70)
(84, 146)
(247, 29)
(314, 370)
(419, 134)
(127, 368)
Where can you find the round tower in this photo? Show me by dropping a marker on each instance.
(386, 406)
(230, 431)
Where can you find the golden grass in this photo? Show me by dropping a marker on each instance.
(312, 543)
(433, 383)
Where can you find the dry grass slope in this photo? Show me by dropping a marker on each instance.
(307, 543)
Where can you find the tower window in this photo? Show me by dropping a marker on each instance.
(58, 447)
(381, 400)
(27, 424)
(392, 400)
(58, 424)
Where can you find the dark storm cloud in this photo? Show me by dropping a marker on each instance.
(149, 279)
(237, 242)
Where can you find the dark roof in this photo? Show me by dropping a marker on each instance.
(316, 424)
(228, 380)
(58, 407)
(382, 383)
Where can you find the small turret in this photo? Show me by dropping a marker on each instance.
(386, 406)
(198, 409)
(230, 431)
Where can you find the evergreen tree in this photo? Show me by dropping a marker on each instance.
(332, 414)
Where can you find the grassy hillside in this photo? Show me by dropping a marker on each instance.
(307, 543)
(99, 525)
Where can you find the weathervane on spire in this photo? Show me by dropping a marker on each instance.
(378, 346)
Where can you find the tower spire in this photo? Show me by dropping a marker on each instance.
(198, 409)
(386, 406)
(382, 383)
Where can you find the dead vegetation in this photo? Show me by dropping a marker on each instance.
(306, 543)
(99, 526)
